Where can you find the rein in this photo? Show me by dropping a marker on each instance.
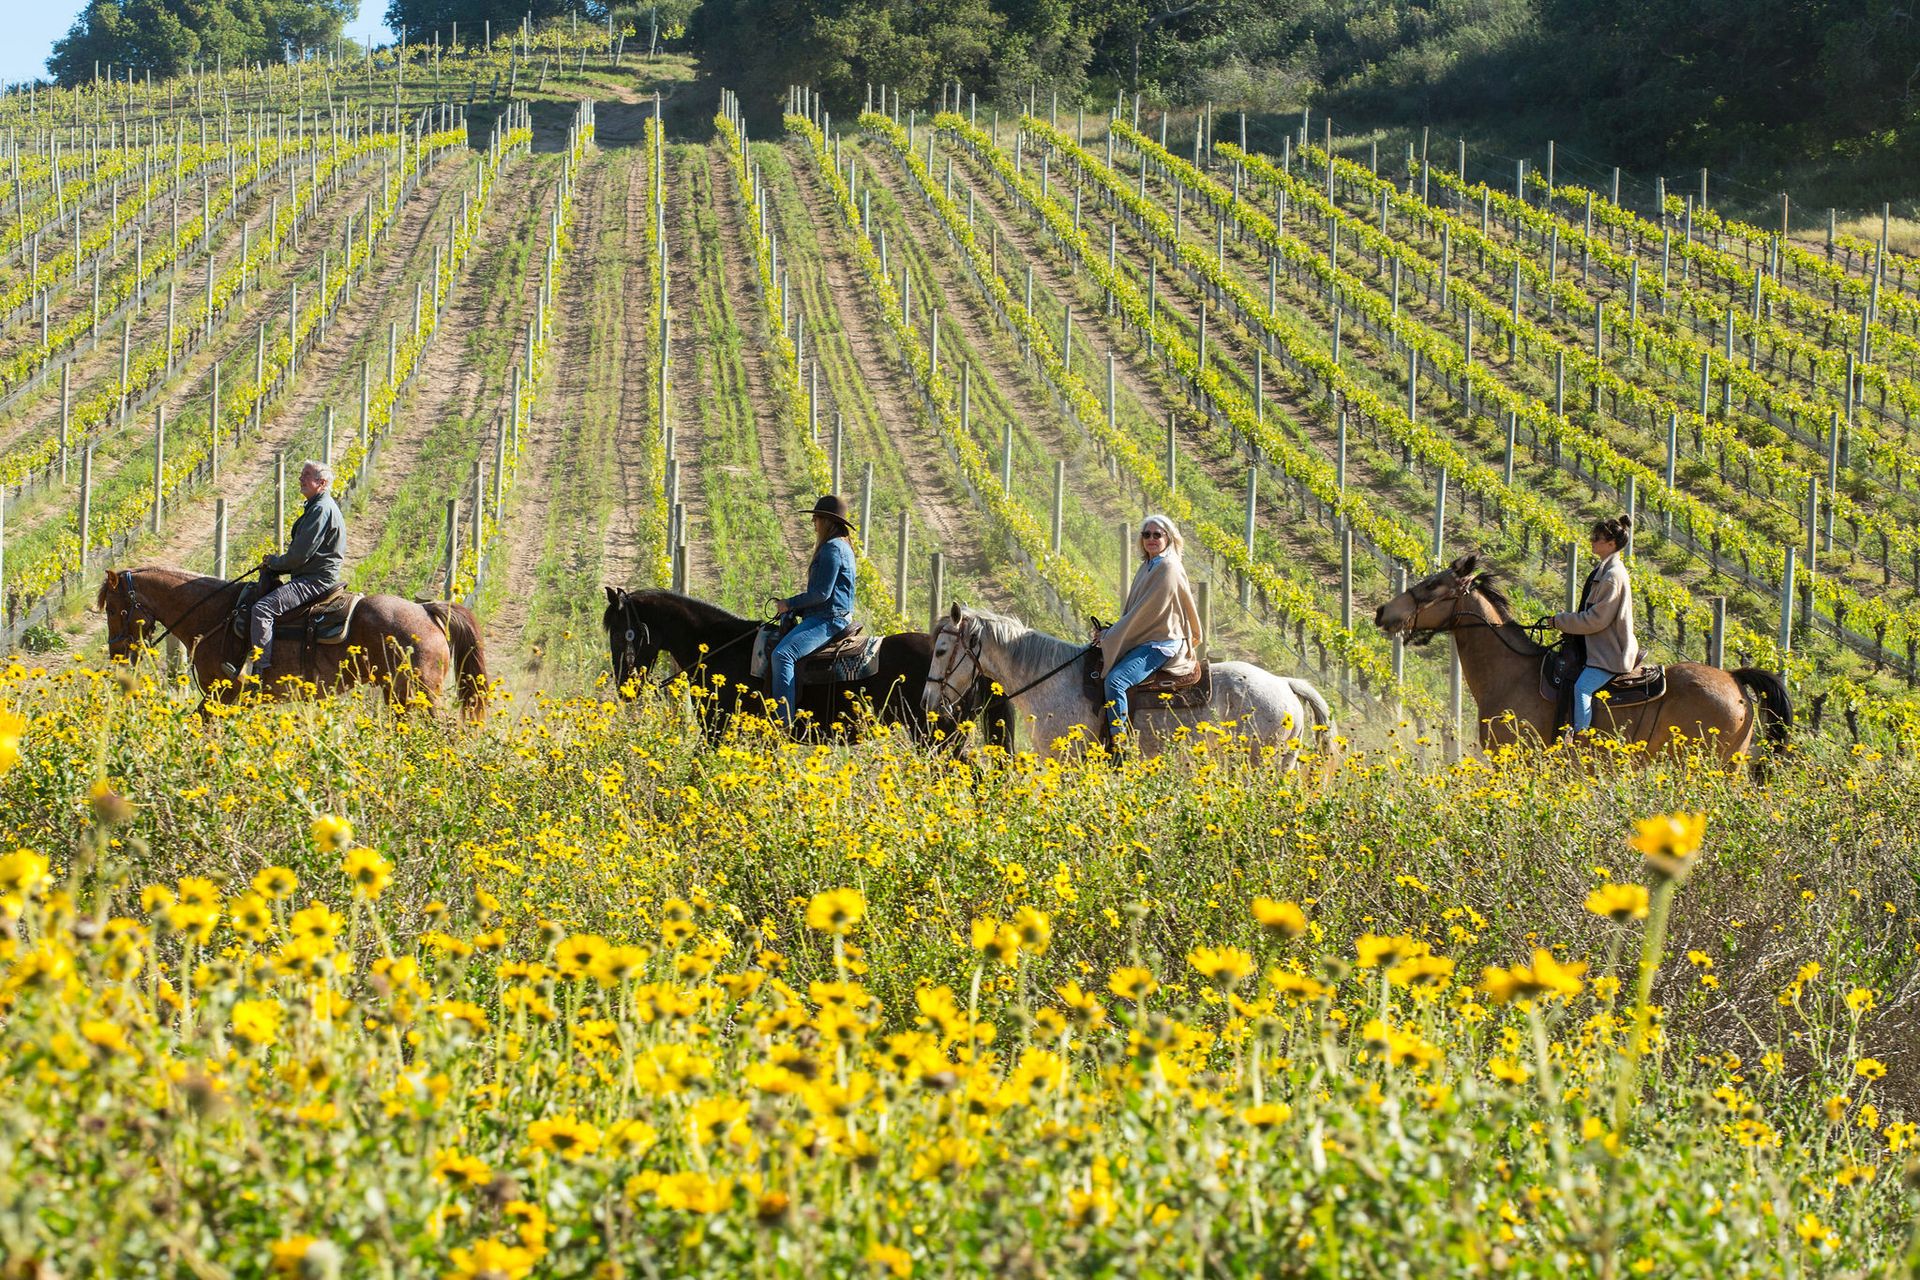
(973, 652)
(1072, 658)
(660, 685)
(167, 628)
(1460, 619)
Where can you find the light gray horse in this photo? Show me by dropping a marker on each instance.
(1041, 674)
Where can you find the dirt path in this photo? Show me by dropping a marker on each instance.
(687, 366)
(1199, 445)
(250, 473)
(625, 546)
(780, 466)
(945, 515)
(547, 546)
(187, 386)
(449, 382)
(187, 538)
(1022, 390)
(93, 367)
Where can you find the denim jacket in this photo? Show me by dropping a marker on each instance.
(830, 578)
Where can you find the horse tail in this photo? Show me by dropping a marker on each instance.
(469, 654)
(1321, 712)
(1776, 709)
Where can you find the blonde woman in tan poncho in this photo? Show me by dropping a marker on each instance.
(1160, 628)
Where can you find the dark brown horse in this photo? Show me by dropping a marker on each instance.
(403, 646)
(709, 642)
(1501, 663)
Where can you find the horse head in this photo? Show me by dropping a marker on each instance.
(629, 641)
(130, 619)
(955, 665)
(1432, 604)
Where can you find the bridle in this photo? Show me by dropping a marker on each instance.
(1460, 619)
(139, 611)
(637, 633)
(971, 647)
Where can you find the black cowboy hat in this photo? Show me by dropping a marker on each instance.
(833, 507)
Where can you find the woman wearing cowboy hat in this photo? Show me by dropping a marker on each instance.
(824, 610)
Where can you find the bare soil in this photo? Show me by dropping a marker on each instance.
(781, 472)
(944, 512)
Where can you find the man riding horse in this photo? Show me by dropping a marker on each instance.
(315, 555)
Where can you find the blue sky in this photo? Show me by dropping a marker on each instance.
(33, 26)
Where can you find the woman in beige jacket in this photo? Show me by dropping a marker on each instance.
(1160, 629)
(1604, 619)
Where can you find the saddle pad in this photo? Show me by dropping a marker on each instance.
(1646, 684)
(324, 621)
(1181, 696)
(852, 657)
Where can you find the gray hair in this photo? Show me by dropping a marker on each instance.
(320, 469)
(1175, 542)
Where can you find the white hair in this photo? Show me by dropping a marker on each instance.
(320, 469)
(1175, 542)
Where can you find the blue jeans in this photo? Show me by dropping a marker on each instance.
(1590, 681)
(805, 637)
(1135, 665)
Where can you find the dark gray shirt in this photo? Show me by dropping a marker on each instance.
(317, 548)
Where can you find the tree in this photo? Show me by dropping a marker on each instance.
(167, 36)
(422, 18)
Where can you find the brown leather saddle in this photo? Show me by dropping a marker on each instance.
(1158, 691)
(843, 658)
(1561, 666)
(322, 621)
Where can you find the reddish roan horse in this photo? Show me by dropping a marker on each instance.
(406, 647)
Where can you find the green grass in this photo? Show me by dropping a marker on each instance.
(742, 533)
(408, 555)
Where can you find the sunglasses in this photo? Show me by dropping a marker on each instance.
(1154, 535)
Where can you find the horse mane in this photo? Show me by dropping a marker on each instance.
(699, 613)
(1021, 642)
(1489, 589)
(173, 576)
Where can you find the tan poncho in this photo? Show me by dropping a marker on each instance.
(1159, 607)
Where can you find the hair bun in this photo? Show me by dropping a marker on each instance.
(1626, 522)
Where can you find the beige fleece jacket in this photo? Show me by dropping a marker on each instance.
(1607, 620)
(1160, 606)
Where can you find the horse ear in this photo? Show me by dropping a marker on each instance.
(613, 595)
(955, 614)
(1464, 566)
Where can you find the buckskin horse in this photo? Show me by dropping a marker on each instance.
(707, 641)
(404, 646)
(1501, 661)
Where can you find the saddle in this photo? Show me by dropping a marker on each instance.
(1181, 693)
(322, 621)
(849, 656)
(1561, 665)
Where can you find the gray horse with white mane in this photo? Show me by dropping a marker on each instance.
(1041, 674)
